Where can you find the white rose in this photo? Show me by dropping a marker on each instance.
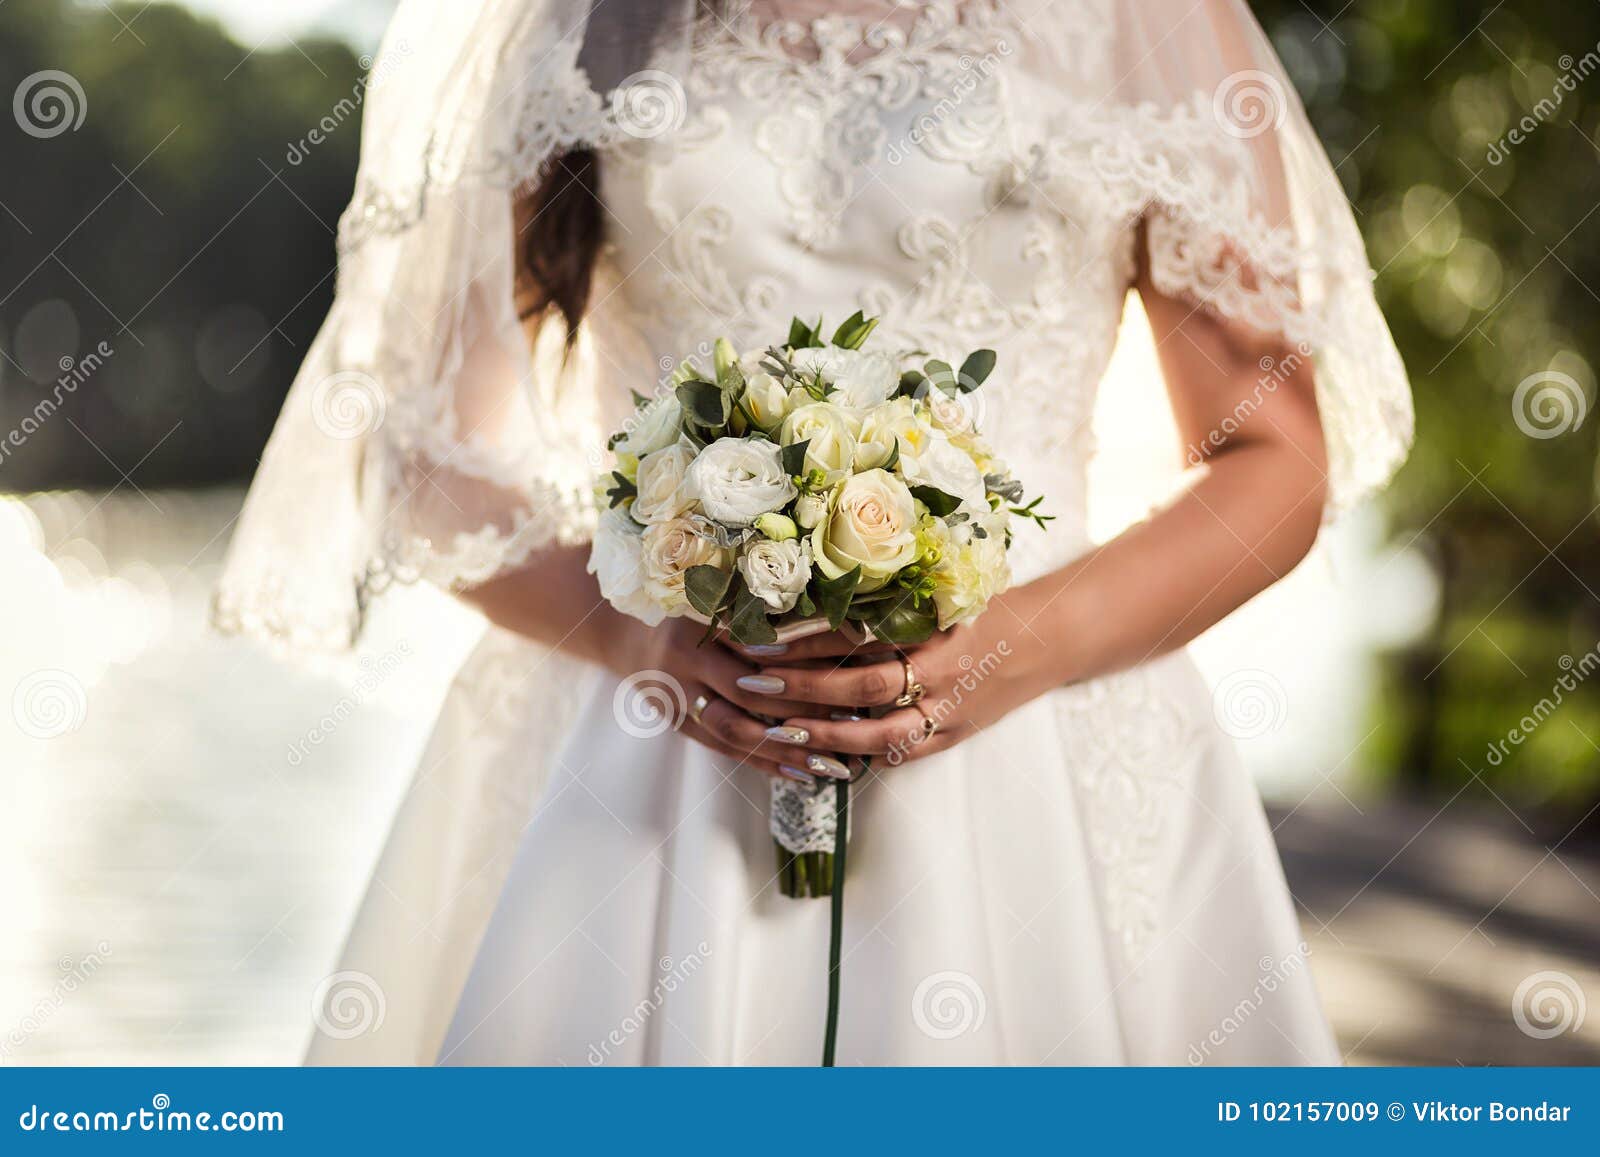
(776, 572)
(862, 379)
(809, 509)
(940, 464)
(871, 523)
(884, 426)
(831, 433)
(766, 400)
(616, 560)
(652, 427)
(969, 574)
(668, 550)
(662, 494)
(737, 479)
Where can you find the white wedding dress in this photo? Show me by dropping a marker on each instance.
(1089, 881)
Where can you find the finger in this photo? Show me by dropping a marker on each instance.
(733, 679)
(745, 759)
(785, 746)
(834, 645)
(871, 685)
(897, 731)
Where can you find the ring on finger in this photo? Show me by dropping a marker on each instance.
(698, 707)
(929, 723)
(914, 689)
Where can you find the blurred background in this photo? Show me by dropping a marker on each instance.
(1420, 702)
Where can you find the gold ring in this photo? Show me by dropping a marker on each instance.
(701, 702)
(914, 690)
(929, 723)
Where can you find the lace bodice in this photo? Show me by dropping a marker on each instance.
(974, 173)
(833, 165)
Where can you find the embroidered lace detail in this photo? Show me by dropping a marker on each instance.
(801, 816)
(1131, 744)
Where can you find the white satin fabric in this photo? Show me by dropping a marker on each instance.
(1091, 881)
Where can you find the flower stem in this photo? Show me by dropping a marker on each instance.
(841, 803)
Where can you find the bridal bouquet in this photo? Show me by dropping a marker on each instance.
(812, 480)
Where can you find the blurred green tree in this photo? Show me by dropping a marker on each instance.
(1487, 248)
(178, 223)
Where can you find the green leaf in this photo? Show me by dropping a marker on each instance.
(704, 403)
(833, 595)
(639, 400)
(937, 501)
(794, 458)
(622, 491)
(941, 374)
(749, 622)
(800, 335)
(805, 607)
(707, 588)
(854, 331)
(975, 370)
(912, 383)
(906, 619)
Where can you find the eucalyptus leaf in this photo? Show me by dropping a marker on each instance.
(749, 622)
(794, 458)
(941, 375)
(707, 588)
(975, 370)
(912, 383)
(1008, 488)
(704, 402)
(903, 620)
(833, 595)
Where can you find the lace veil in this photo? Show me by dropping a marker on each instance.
(426, 436)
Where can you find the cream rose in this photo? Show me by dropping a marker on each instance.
(883, 427)
(776, 572)
(831, 434)
(736, 480)
(766, 400)
(662, 494)
(668, 550)
(616, 561)
(810, 509)
(871, 523)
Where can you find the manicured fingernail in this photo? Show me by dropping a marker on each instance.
(831, 768)
(765, 649)
(789, 734)
(843, 717)
(796, 774)
(761, 684)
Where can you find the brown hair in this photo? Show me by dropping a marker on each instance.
(559, 227)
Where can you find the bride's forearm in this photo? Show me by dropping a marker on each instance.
(555, 601)
(1238, 529)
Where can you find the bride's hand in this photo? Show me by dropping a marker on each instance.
(971, 677)
(735, 699)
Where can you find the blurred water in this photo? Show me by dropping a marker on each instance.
(177, 879)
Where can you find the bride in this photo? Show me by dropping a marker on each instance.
(557, 200)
